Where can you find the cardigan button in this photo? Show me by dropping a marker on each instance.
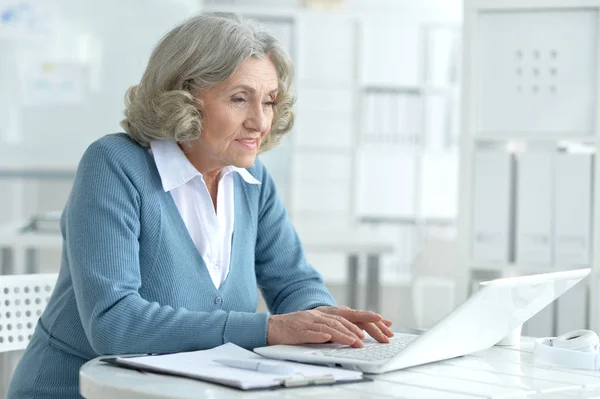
(218, 300)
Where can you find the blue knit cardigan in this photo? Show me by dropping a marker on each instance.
(132, 280)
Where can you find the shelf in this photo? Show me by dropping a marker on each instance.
(537, 139)
(513, 269)
(386, 279)
(417, 89)
(393, 89)
(444, 90)
(412, 221)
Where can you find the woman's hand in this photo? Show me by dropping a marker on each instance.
(327, 323)
(374, 324)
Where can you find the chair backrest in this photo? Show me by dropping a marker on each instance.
(23, 298)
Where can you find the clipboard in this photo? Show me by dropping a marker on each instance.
(244, 380)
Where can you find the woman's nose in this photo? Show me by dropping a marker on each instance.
(257, 119)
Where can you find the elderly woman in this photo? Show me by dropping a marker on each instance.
(170, 228)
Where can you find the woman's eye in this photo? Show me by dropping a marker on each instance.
(238, 100)
(271, 103)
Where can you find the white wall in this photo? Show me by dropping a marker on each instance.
(323, 176)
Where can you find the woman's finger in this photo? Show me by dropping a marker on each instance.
(387, 322)
(312, 337)
(375, 332)
(349, 325)
(384, 328)
(353, 315)
(336, 335)
(343, 326)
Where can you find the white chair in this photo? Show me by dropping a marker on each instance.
(23, 298)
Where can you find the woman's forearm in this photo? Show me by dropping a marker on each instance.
(134, 325)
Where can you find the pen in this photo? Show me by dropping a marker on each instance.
(256, 365)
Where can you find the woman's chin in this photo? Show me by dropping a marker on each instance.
(245, 162)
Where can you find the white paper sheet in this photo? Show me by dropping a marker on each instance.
(200, 365)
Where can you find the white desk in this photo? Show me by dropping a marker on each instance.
(499, 372)
(19, 246)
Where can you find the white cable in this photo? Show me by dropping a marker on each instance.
(576, 349)
(578, 340)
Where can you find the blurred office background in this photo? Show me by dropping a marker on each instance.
(370, 173)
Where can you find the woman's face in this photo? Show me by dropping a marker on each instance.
(237, 115)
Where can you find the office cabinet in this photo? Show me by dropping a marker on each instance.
(572, 209)
(534, 199)
(491, 207)
(530, 91)
(532, 64)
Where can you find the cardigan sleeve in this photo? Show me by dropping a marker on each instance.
(287, 281)
(101, 228)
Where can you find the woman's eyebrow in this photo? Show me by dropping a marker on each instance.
(250, 89)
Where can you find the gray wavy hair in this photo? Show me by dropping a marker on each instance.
(199, 54)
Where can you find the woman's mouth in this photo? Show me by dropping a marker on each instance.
(249, 144)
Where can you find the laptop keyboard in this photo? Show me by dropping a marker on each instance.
(371, 351)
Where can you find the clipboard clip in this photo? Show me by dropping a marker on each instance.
(300, 380)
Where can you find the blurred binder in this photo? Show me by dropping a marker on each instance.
(439, 185)
(437, 122)
(572, 209)
(371, 121)
(442, 46)
(492, 206)
(534, 209)
(385, 111)
(396, 199)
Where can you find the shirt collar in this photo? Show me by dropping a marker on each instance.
(176, 170)
(247, 176)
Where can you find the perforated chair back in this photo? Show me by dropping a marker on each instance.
(23, 298)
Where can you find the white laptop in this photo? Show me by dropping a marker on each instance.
(480, 322)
